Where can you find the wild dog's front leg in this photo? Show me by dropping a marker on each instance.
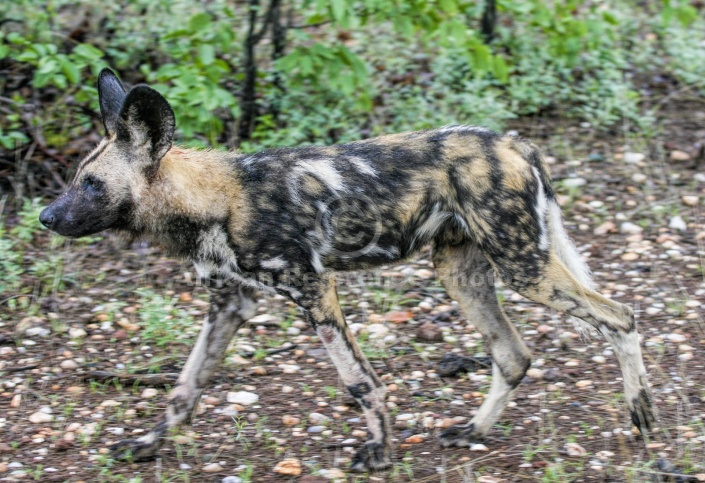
(324, 314)
(230, 307)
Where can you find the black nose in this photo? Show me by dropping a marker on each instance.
(46, 217)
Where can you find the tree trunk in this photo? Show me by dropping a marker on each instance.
(489, 20)
(279, 30)
(248, 103)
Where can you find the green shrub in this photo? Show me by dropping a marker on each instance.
(350, 69)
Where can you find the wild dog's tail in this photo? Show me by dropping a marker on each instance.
(558, 239)
(560, 242)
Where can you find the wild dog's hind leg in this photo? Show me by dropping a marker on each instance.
(468, 277)
(323, 312)
(230, 307)
(556, 287)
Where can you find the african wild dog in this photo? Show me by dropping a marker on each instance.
(284, 220)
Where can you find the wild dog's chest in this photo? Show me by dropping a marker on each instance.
(217, 259)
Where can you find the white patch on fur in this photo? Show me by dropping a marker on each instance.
(151, 437)
(293, 293)
(628, 351)
(321, 169)
(494, 403)
(374, 249)
(462, 128)
(363, 166)
(541, 207)
(316, 261)
(214, 244)
(324, 170)
(463, 224)
(565, 249)
(275, 263)
(433, 223)
(250, 160)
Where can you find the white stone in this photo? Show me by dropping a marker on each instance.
(69, 365)
(77, 332)
(149, 393)
(687, 200)
(242, 397)
(630, 228)
(289, 368)
(574, 449)
(639, 177)
(676, 337)
(677, 223)
(574, 182)
(633, 158)
(405, 417)
(317, 418)
(212, 468)
(40, 418)
(262, 319)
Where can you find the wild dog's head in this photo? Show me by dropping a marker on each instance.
(139, 128)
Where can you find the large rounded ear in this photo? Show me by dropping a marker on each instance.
(147, 123)
(112, 95)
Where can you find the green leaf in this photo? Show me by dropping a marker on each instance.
(501, 70)
(306, 65)
(175, 34)
(686, 14)
(199, 22)
(206, 54)
(48, 66)
(610, 18)
(449, 6)
(338, 9)
(28, 56)
(72, 73)
(87, 51)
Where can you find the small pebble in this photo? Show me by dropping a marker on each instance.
(69, 365)
(288, 466)
(244, 398)
(40, 418)
(574, 449)
(212, 468)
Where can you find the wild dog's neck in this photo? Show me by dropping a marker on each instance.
(193, 190)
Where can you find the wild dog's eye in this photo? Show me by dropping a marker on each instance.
(92, 183)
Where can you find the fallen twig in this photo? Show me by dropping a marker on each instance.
(165, 379)
(21, 368)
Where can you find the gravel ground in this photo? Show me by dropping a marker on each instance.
(277, 411)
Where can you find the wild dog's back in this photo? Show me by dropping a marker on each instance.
(370, 202)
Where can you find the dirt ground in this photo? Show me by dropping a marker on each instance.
(633, 206)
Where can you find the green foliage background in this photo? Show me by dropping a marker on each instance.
(350, 69)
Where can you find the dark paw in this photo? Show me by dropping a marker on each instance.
(460, 436)
(372, 457)
(671, 474)
(135, 450)
(643, 412)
